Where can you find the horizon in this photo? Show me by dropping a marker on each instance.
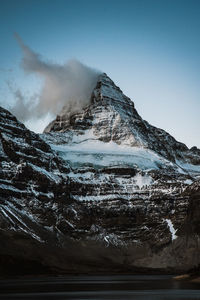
(150, 49)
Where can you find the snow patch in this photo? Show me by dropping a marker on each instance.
(87, 149)
(142, 181)
(171, 228)
(49, 175)
(190, 168)
(188, 181)
(10, 188)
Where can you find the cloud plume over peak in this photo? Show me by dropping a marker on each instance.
(68, 85)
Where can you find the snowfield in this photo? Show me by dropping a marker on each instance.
(87, 149)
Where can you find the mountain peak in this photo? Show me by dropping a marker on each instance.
(112, 117)
(107, 90)
(106, 98)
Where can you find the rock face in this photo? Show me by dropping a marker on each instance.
(100, 191)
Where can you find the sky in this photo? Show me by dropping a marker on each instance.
(149, 48)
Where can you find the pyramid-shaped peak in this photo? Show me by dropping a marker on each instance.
(111, 117)
(107, 90)
(104, 78)
(107, 103)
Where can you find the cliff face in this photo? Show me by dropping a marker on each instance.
(100, 191)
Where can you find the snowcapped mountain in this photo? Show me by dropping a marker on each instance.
(103, 183)
(109, 146)
(112, 118)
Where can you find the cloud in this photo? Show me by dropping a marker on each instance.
(69, 85)
(23, 105)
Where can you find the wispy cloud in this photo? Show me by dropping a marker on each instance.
(68, 85)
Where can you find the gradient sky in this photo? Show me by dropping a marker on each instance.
(150, 48)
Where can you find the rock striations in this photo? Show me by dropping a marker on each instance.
(101, 190)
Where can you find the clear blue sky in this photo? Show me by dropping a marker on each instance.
(150, 48)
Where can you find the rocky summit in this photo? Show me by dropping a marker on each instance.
(101, 190)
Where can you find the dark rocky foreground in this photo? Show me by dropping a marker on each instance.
(65, 208)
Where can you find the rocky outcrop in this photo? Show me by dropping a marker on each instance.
(101, 191)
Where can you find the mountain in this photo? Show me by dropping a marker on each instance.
(101, 190)
(112, 117)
